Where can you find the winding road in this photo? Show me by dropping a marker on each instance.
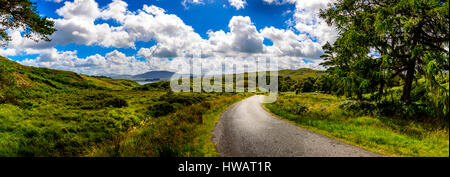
(246, 129)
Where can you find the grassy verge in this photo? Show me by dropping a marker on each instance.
(183, 133)
(389, 136)
(204, 141)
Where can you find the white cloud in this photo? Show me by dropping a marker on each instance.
(116, 10)
(8, 52)
(272, 1)
(238, 4)
(186, 3)
(57, 1)
(287, 43)
(81, 23)
(112, 63)
(306, 19)
(80, 9)
(243, 37)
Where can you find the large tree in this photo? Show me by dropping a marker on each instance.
(22, 14)
(407, 35)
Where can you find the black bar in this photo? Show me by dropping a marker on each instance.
(278, 166)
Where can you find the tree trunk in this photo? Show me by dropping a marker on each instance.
(380, 91)
(406, 95)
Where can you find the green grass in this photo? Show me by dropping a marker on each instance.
(184, 133)
(389, 136)
(204, 140)
(45, 112)
(81, 124)
(66, 124)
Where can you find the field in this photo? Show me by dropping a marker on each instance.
(184, 133)
(88, 122)
(46, 112)
(348, 121)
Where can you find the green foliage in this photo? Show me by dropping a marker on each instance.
(363, 124)
(59, 126)
(161, 109)
(183, 133)
(19, 82)
(156, 86)
(22, 14)
(170, 102)
(46, 112)
(409, 37)
(297, 109)
(358, 107)
(184, 99)
(101, 100)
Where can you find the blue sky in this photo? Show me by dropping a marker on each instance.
(202, 17)
(101, 36)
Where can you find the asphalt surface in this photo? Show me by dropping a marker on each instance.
(246, 129)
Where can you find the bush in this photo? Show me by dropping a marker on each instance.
(416, 111)
(358, 107)
(185, 100)
(101, 100)
(116, 102)
(297, 109)
(161, 109)
(156, 86)
(100, 96)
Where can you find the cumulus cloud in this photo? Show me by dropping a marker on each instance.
(186, 3)
(238, 4)
(243, 37)
(81, 23)
(287, 43)
(113, 63)
(57, 1)
(116, 10)
(306, 19)
(8, 52)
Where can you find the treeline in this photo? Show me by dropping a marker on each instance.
(321, 83)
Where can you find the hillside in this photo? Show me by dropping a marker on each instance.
(18, 82)
(14, 74)
(301, 73)
(45, 112)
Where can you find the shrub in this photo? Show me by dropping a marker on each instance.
(116, 102)
(161, 85)
(297, 109)
(100, 96)
(185, 100)
(358, 107)
(416, 111)
(161, 109)
(101, 100)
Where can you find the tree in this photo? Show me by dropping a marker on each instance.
(308, 84)
(22, 14)
(401, 32)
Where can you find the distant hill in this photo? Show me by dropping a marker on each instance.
(128, 77)
(153, 75)
(149, 76)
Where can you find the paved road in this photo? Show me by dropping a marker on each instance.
(246, 129)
